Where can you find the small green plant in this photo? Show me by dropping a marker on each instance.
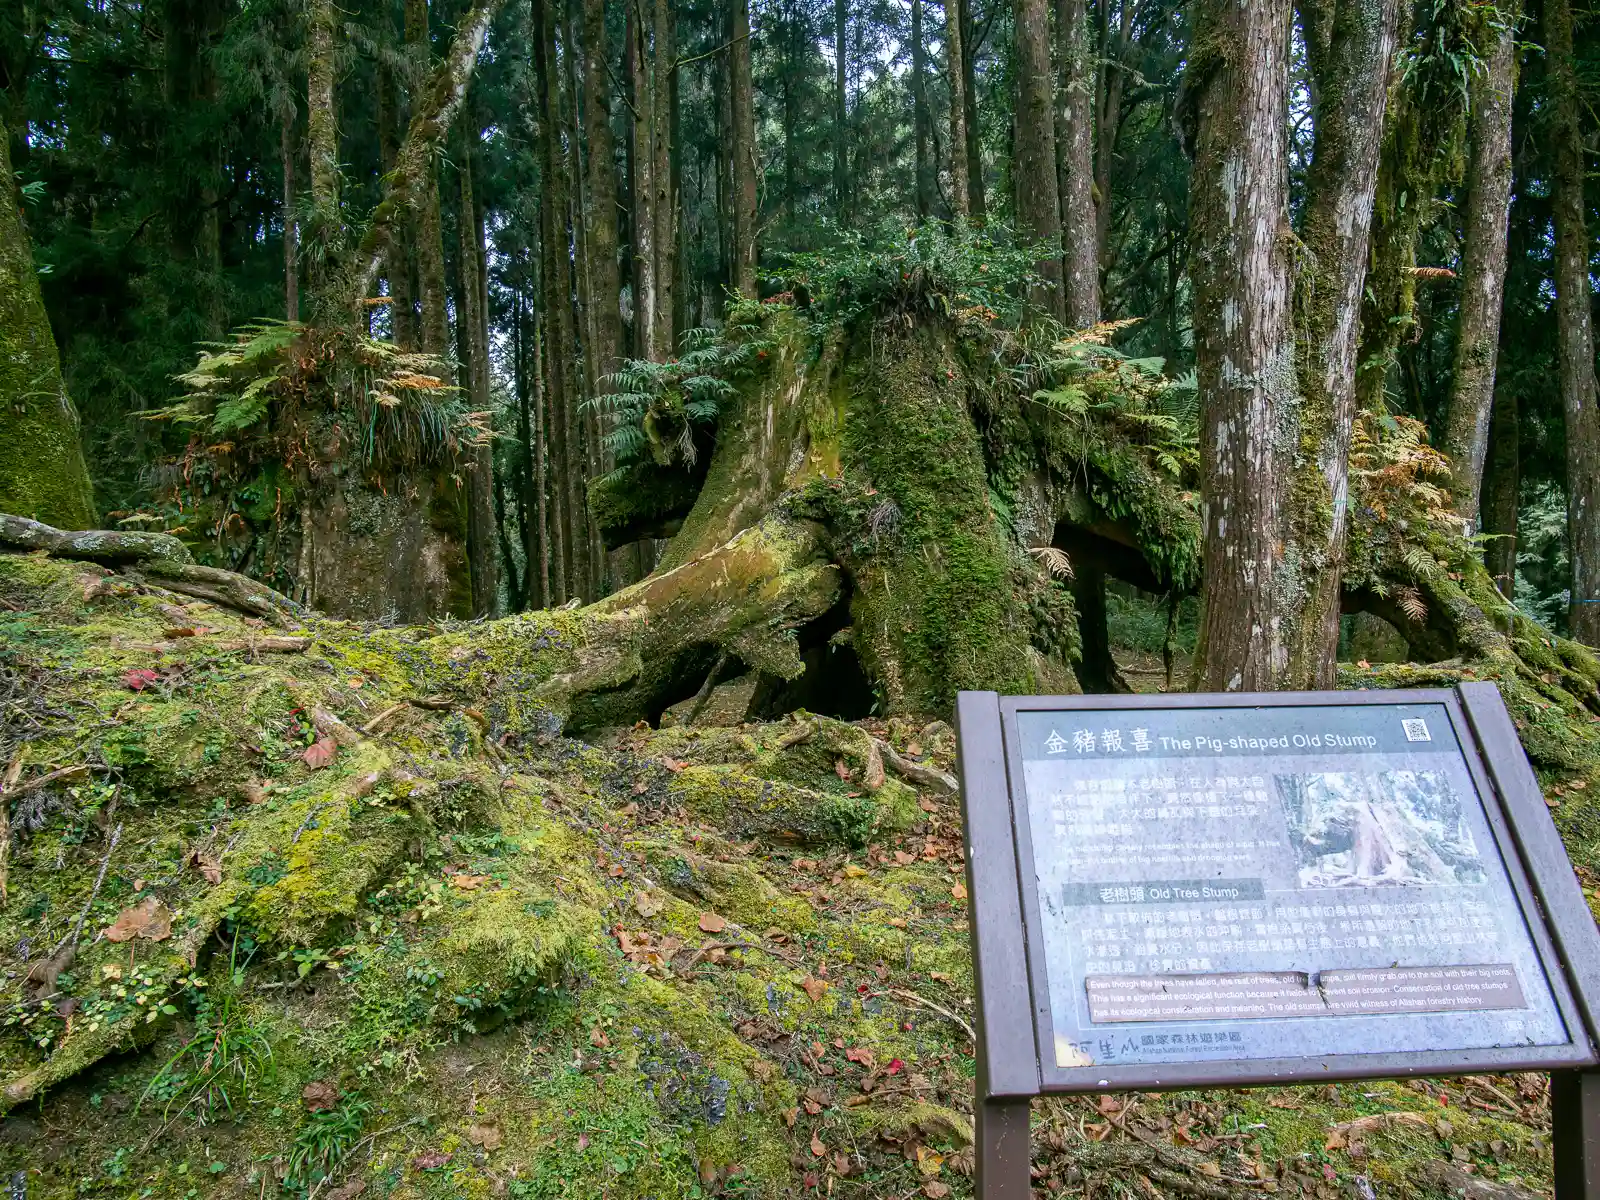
(324, 1140)
(214, 1073)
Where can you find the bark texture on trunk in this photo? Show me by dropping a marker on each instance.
(742, 105)
(479, 465)
(601, 229)
(42, 472)
(1483, 273)
(665, 208)
(1244, 342)
(921, 117)
(1575, 328)
(1501, 478)
(291, 228)
(1033, 167)
(322, 127)
(1080, 245)
(953, 56)
(969, 96)
(1351, 74)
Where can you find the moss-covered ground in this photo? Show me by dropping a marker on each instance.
(348, 915)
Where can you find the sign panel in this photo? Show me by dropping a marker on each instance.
(1249, 883)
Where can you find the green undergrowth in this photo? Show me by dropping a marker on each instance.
(393, 934)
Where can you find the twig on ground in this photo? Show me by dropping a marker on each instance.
(913, 998)
(105, 863)
(917, 772)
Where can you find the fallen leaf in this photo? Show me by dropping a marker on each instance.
(839, 769)
(904, 859)
(486, 1134)
(711, 923)
(320, 753)
(468, 883)
(355, 681)
(597, 1037)
(817, 1148)
(320, 1096)
(959, 891)
(895, 1066)
(862, 1055)
(583, 1141)
(1209, 1168)
(149, 919)
(208, 865)
(139, 678)
(929, 1161)
(429, 1160)
(348, 1190)
(673, 764)
(854, 872)
(790, 1116)
(934, 1190)
(648, 905)
(815, 988)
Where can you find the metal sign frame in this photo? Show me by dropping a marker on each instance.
(1013, 1007)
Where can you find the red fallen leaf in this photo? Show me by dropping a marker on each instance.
(810, 1180)
(139, 678)
(862, 1055)
(817, 1148)
(895, 1066)
(320, 1095)
(711, 923)
(429, 1160)
(320, 753)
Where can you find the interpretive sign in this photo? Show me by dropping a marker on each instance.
(1192, 890)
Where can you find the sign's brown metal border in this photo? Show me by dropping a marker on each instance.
(1013, 1013)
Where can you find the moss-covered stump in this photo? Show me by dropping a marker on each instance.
(349, 915)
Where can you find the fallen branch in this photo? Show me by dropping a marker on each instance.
(12, 788)
(913, 998)
(917, 772)
(372, 726)
(105, 863)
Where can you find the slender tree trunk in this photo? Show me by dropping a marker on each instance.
(1244, 343)
(1080, 243)
(552, 538)
(742, 102)
(644, 190)
(601, 228)
(426, 228)
(1038, 197)
(322, 129)
(1113, 56)
(956, 78)
(481, 524)
(969, 96)
(841, 107)
(1501, 480)
(402, 322)
(1351, 74)
(1483, 273)
(291, 228)
(921, 119)
(665, 208)
(1574, 327)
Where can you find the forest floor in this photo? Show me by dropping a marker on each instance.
(328, 914)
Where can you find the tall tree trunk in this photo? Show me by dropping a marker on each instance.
(1244, 344)
(921, 120)
(1351, 75)
(427, 229)
(1038, 198)
(841, 107)
(322, 134)
(956, 79)
(1080, 243)
(1502, 477)
(742, 101)
(481, 526)
(291, 227)
(665, 208)
(1483, 273)
(1574, 327)
(601, 229)
(190, 87)
(643, 219)
(969, 95)
(402, 313)
(42, 472)
(1113, 56)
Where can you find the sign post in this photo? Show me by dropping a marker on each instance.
(1186, 891)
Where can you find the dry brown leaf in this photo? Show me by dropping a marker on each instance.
(934, 1190)
(597, 1037)
(673, 764)
(648, 905)
(486, 1134)
(711, 923)
(904, 859)
(840, 769)
(817, 1148)
(320, 753)
(429, 1160)
(149, 919)
(1209, 1168)
(815, 988)
(209, 866)
(959, 891)
(852, 871)
(468, 883)
(320, 1095)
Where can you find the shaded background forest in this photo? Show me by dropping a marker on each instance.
(168, 155)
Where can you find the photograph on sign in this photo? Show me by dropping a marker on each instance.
(1269, 883)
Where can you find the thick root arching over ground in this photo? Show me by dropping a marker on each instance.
(337, 911)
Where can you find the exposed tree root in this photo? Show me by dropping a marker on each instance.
(157, 555)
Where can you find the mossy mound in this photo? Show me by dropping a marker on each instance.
(391, 933)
